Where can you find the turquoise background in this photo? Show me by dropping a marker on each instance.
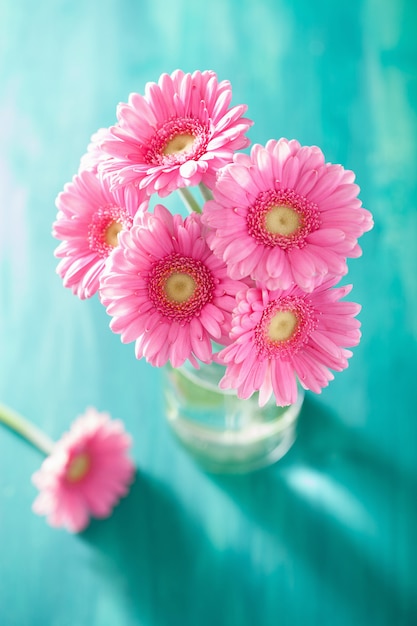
(325, 537)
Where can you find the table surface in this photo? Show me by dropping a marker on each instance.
(327, 536)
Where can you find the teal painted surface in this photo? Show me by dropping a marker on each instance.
(328, 535)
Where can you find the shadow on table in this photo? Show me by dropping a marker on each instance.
(332, 502)
(159, 563)
(340, 507)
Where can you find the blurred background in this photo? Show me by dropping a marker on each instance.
(327, 536)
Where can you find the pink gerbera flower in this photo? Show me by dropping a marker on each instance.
(95, 155)
(166, 290)
(89, 220)
(283, 215)
(179, 134)
(86, 474)
(283, 334)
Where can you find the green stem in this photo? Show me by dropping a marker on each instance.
(205, 192)
(25, 429)
(189, 200)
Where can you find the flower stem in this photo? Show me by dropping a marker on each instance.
(189, 200)
(25, 429)
(205, 192)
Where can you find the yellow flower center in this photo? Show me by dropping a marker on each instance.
(111, 233)
(282, 220)
(179, 287)
(282, 326)
(78, 467)
(182, 142)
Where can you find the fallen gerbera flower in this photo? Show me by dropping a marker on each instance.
(90, 217)
(279, 336)
(166, 290)
(179, 134)
(283, 216)
(86, 474)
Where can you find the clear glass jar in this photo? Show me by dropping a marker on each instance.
(222, 432)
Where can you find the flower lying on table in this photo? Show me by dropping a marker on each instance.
(84, 474)
(254, 269)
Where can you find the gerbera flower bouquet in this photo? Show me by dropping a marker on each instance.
(248, 280)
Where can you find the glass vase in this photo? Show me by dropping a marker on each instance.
(222, 432)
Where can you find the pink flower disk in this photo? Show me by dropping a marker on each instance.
(283, 216)
(87, 473)
(89, 219)
(280, 335)
(179, 134)
(167, 291)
